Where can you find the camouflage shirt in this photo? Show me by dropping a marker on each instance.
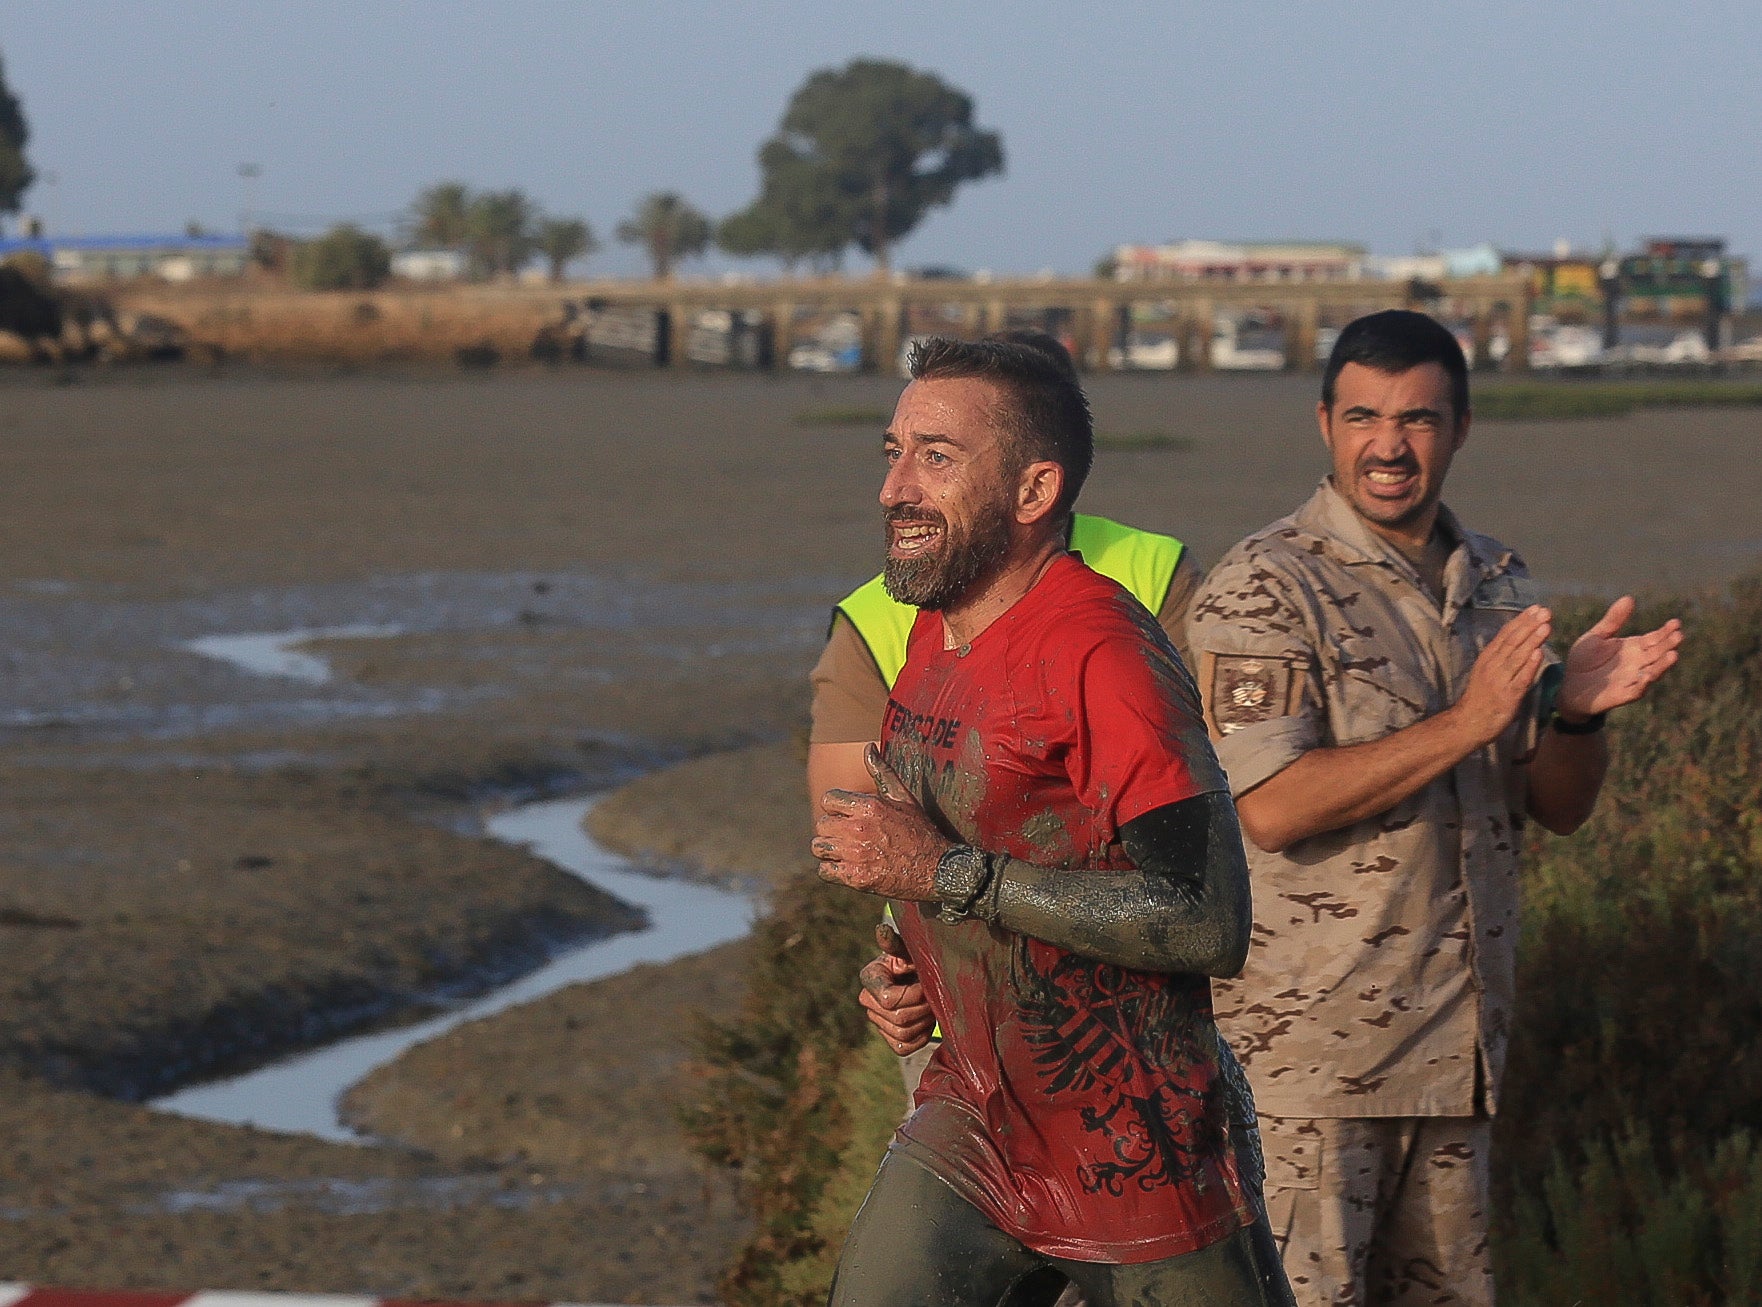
(1383, 962)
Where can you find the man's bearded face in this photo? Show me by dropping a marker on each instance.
(933, 559)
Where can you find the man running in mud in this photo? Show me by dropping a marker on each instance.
(865, 650)
(1065, 865)
(1382, 693)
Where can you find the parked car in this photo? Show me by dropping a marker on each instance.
(1150, 351)
(836, 347)
(1244, 347)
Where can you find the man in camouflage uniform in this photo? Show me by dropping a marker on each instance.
(1378, 681)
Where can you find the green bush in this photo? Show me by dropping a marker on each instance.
(874, 1097)
(783, 1097)
(841, 416)
(1624, 1229)
(1640, 991)
(1547, 400)
(344, 258)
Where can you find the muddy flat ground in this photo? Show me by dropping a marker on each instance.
(181, 484)
(543, 580)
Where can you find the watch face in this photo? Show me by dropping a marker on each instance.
(959, 875)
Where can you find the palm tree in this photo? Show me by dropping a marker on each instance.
(563, 240)
(499, 230)
(440, 216)
(669, 228)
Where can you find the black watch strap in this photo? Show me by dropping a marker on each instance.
(1589, 726)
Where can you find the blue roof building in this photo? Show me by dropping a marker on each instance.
(104, 258)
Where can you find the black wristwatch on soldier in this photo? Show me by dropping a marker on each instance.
(1549, 715)
(1589, 726)
(962, 875)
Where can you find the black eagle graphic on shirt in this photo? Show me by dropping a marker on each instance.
(1138, 1048)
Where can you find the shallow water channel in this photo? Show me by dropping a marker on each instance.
(300, 1093)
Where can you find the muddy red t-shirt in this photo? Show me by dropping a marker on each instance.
(1076, 1103)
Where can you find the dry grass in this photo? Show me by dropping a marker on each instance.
(355, 327)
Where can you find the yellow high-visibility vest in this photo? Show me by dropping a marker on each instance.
(1142, 561)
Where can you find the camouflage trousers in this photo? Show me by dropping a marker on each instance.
(1381, 1211)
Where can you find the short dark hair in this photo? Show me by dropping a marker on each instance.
(1397, 340)
(1049, 418)
(1045, 342)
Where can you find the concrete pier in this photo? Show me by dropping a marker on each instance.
(1098, 315)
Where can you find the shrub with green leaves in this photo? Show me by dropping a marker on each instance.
(787, 1095)
(344, 258)
(1639, 1015)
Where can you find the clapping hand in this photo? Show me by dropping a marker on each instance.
(1605, 669)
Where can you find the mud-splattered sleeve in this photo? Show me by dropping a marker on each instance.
(1258, 669)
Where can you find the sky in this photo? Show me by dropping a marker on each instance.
(1401, 126)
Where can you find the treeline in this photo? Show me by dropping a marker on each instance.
(493, 233)
(1629, 1158)
(861, 155)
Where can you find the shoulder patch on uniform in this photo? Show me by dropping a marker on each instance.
(1246, 690)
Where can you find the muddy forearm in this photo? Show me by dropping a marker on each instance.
(1183, 907)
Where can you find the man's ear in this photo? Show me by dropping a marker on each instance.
(1323, 420)
(1038, 491)
(1462, 430)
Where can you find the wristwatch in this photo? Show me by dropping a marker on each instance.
(1589, 726)
(1553, 676)
(962, 875)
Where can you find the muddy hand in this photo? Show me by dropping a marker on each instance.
(882, 843)
(891, 996)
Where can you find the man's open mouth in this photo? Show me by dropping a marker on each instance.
(1391, 480)
(909, 539)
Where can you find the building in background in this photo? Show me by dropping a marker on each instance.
(1566, 284)
(1271, 262)
(1677, 277)
(111, 258)
(430, 265)
(1477, 261)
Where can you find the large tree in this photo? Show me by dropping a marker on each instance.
(563, 240)
(667, 227)
(802, 214)
(871, 148)
(16, 174)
